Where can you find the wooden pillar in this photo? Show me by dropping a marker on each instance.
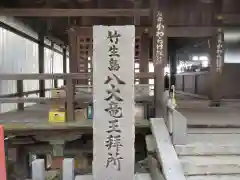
(64, 62)
(86, 21)
(73, 53)
(22, 162)
(70, 99)
(144, 56)
(20, 106)
(216, 61)
(83, 61)
(137, 19)
(55, 81)
(41, 64)
(173, 67)
(73, 67)
(159, 55)
(216, 56)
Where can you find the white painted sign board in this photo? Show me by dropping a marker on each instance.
(113, 96)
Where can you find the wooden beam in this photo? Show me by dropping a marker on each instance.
(47, 148)
(26, 93)
(229, 18)
(30, 100)
(42, 99)
(57, 41)
(33, 76)
(31, 12)
(189, 31)
(172, 31)
(88, 30)
(26, 36)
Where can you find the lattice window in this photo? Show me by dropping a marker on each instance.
(137, 67)
(85, 54)
(89, 70)
(137, 81)
(137, 49)
(137, 58)
(151, 81)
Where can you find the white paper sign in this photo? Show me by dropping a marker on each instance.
(113, 95)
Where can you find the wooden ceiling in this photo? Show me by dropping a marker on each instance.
(179, 13)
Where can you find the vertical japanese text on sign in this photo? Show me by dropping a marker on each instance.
(113, 101)
(113, 141)
(220, 51)
(159, 38)
(113, 50)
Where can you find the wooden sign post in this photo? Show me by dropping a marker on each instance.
(113, 96)
(3, 173)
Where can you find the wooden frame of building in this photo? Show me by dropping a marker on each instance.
(182, 27)
(76, 32)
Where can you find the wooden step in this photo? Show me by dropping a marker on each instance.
(207, 165)
(213, 131)
(207, 149)
(214, 177)
(213, 138)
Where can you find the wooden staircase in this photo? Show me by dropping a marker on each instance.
(204, 156)
(210, 161)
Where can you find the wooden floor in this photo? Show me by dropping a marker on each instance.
(199, 114)
(36, 118)
(196, 111)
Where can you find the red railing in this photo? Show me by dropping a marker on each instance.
(3, 173)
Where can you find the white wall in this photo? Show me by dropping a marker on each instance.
(19, 55)
(53, 64)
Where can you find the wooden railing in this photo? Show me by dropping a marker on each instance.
(177, 126)
(69, 89)
(154, 164)
(166, 154)
(193, 82)
(69, 78)
(24, 93)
